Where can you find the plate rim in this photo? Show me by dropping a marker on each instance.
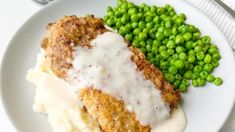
(54, 3)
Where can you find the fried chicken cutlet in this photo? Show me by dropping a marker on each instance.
(64, 36)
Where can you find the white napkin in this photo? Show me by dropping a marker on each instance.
(219, 16)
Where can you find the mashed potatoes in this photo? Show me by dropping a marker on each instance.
(59, 101)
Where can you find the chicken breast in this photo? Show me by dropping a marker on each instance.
(59, 43)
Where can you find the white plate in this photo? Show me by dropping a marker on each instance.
(206, 108)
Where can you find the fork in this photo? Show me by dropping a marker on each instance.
(43, 2)
(226, 8)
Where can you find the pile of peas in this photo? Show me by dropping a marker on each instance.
(176, 48)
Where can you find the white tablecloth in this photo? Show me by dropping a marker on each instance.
(13, 13)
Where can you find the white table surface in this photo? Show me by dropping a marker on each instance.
(13, 14)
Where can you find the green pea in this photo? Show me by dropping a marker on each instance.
(160, 10)
(169, 77)
(118, 24)
(134, 18)
(164, 54)
(130, 5)
(149, 25)
(165, 41)
(172, 61)
(161, 29)
(182, 15)
(191, 58)
(213, 50)
(195, 75)
(174, 31)
(156, 19)
(191, 52)
(141, 24)
(168, 24)
(179, 21)
(106, 18)
(167, 32)
(206, 39)
(140, 15)
(207, 58)
(142, 35)
(170, 51)
(156, 43)
(171, 44)
(143, 50)
(120, 12)
(164, 65)
(215, 63)
(142, 43)
(204, 74)
(175, 56)
(201, 63)
(189, 45)
(197, 69)
(162, 48)
(176, 83)
(194, 83)
(183, 56)
(188, 74)
(159, 36)
(198, 49)
(216, 56)
(178, 76)
(136, 43)
(148, 47)
(179, 64)
(148, 18)
(149, 56)
(123, 31)
(129, 37)
(208, 67)
(124, 19)
(110, 22)
(134, 25)
(136, 31)
(180, 49)
(155, 61)
(200, 55)
(183, 28)
(183, 87)
(196, 36)
(187, 36)
(192, 29)
(132, 11)
(172, 37)
(210, 78)
(172, 70)
(201, 82)
(179, 39)
(218, 81)
(200, 43)
(153, 8)
(154, 50)
(152, 33)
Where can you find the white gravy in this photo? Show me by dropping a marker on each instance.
(108, 67)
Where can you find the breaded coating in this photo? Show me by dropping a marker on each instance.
(61, 39)
(62, 36)
(110, 112)
(152, 73)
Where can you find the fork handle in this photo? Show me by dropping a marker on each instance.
(226, 7)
